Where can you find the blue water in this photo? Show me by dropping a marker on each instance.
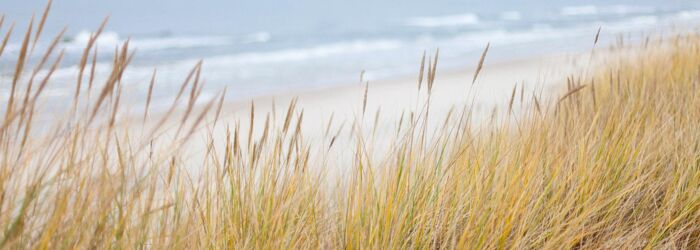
(266, 47)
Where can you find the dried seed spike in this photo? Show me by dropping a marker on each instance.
(48, 52)
(297, 131)
(266, 129)
(200, 118)
(236, 144)
(220, 106)
(194, 95)
(430, 69)
(537, 104)
(597, 36)
(364, 99)
(150, 94)
(252, 123)
(512, 99)
(421, 71)
(288, 118)
(120, 63)
(571, 92)
(8, 34)
(41, 24)
(328, 125)
(86, 52)
(18, 70)
(481, 62)
(115, 105)
(340, 129)
(36, 70)
(433, 71)
(43, 61)
(195, 83)
(44, 81)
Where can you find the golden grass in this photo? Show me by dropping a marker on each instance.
(613, 163)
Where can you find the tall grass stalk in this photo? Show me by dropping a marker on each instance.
(612, 162)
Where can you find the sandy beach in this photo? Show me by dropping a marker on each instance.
(336, 111)
(392, 97)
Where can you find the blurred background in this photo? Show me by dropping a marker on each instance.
(268, 47)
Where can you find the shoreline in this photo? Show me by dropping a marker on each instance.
(340, 109)
(494, 85)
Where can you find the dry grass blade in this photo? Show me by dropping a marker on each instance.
(175, 103)
(597, 36)
(6, 39)
(288, 116)
(92, 69)
(251, 127)
(121, 61)
(19, 68)
(45, 81)
(584, 177)
(512, 99)
(537, 104)
(40, 28)
(571, 92)
(481, 62)
(200, 117)
(86, 54)
(421, 71)
(364, 99)
(150, 94)
(24, 109)
(433, 71)
(220, 106)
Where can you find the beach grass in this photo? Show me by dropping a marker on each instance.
(611, 161)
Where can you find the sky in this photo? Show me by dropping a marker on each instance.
(135, 17)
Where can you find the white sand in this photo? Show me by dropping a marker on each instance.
(493, 88)
(393, 97)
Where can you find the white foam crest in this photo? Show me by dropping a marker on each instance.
(628, 9)
(258, 37)
(178, 42)
(579, 10)
(301, 54)
(619, 9)
(109, 39)
(634, 23)
(503, 37)
(444, 21)
(689, 14)
(80, 41)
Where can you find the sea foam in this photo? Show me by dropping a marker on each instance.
(444, 21)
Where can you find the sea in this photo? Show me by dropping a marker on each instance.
(270, 47)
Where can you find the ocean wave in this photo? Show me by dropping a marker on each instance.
(589, 10)
(179, 43)
(110, 39)
(632, 24)
(80, 41)
(579, 10)
(689, 14)
(628, 9)
(258, 37)
(476, 40)
(300, 54)
(444, 21)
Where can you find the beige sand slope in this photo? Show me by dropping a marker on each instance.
(388, 100)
